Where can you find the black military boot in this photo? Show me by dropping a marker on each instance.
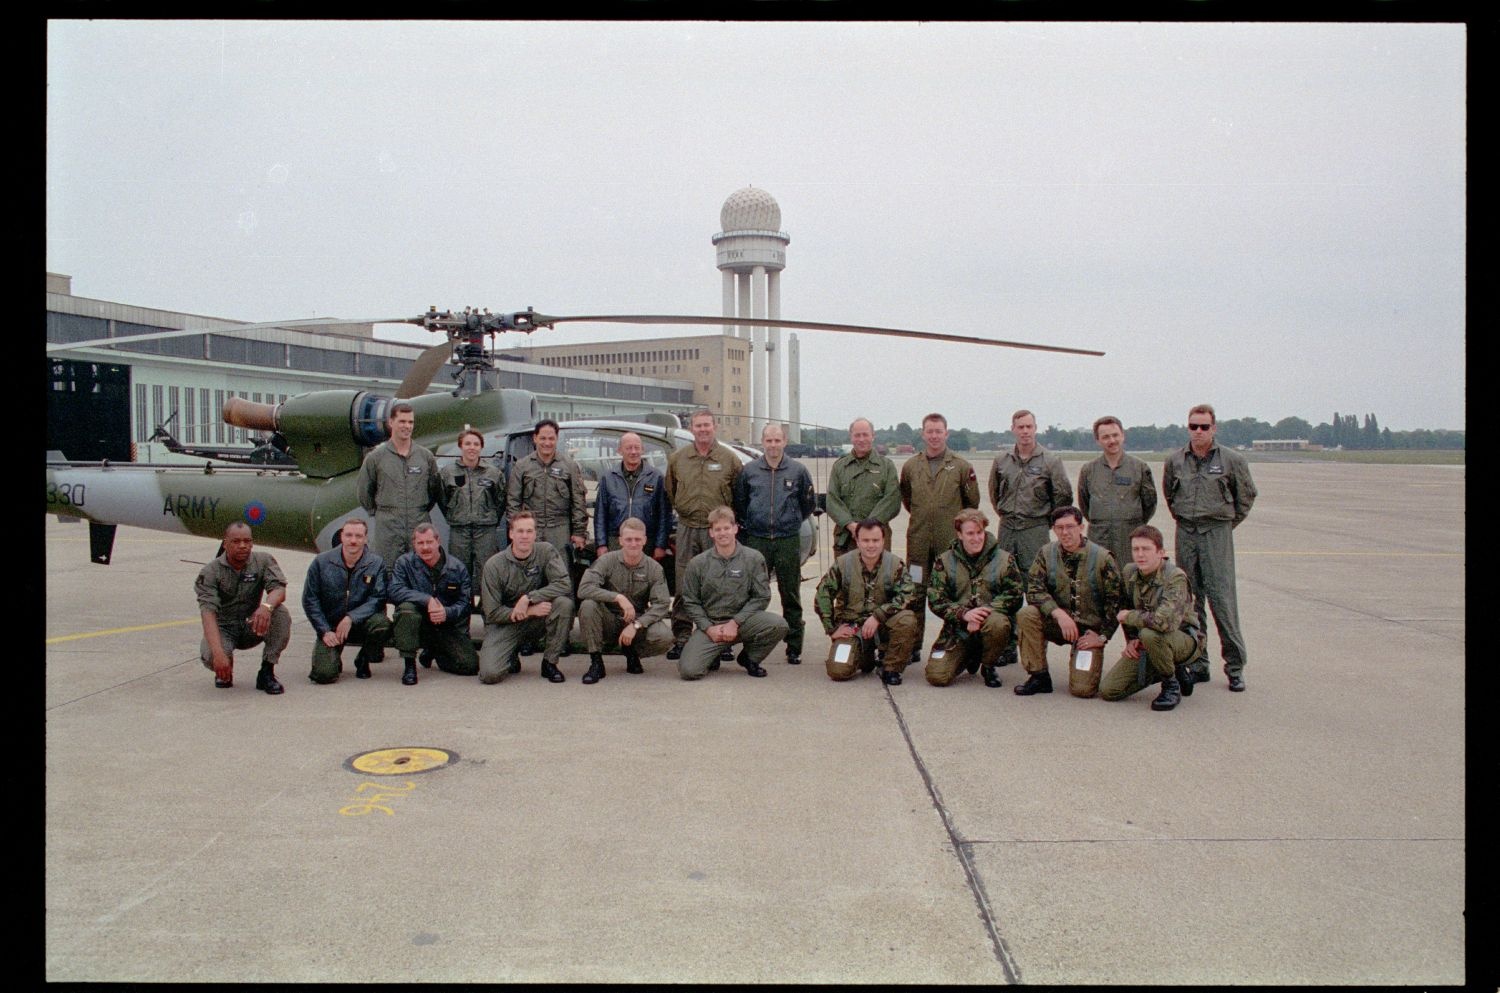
(266, 679)
(1008, 657)
(1037, 682)
(596, 669)
(793, 658)
(675, 652)
(361, 668)
(1185, 679)
(991, 678)
(890, 677)
(426, 660)
(551, 673)
(409, 677)
(515, 665)
(1169, 696)
(632, 662)
(529, 648)
(751, 666)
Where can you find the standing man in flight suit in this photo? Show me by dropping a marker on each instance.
(862, 485)
(1116, 492)
(1027, 484)
(1209, 492)
(935, 485)
(398, 486)
(633, 488)
(550, 485)
(473, 503)
(700, 477)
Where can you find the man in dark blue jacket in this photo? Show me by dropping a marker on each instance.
(634, 488)
(773, 495)
(344, 600)
(431, 592)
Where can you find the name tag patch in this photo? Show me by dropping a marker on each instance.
(414, 470)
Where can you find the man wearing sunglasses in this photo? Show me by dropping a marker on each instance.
(1209, 491)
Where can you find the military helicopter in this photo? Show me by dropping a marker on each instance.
(299, 498)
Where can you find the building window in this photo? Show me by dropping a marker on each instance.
(206, 421)
(142, 432)
(219, 421)
(189, 415)
(156, 417)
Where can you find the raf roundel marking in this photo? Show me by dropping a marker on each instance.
(406, 761)
(255, 513)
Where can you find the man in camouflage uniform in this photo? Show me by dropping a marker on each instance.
(398, 486)
(1209, 492)
(976, 589)
(865, 599)
(550, 485)
(1072, 596)
(935, 485)
(700, 477)
(725, 593)
(623, 596)
(523, 593)
(1116, 491)
(862, 485)
(229, 591)
(473, 503)
(1159, 626)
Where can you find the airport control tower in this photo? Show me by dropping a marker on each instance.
(751, 252)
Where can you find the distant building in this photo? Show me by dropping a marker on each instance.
(1282, 445)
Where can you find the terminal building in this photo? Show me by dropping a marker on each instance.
(106, 402)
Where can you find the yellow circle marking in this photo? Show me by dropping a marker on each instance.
(400, 761)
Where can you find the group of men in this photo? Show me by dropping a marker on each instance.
(737, 526)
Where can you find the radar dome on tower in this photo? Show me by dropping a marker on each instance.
(750, 209)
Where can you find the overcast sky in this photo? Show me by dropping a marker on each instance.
(1269, 218)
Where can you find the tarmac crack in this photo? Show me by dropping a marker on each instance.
(115, 686)
(1401, 621)
(961, 849)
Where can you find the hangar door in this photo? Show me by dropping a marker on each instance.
(88, 410)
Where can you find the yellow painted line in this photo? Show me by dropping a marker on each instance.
(1410, 555)
(100, 634)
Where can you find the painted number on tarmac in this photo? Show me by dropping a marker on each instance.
(376, 799)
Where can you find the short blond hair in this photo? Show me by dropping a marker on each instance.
(720, 513)
(970, 515)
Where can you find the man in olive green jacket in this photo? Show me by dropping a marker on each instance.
(725, 593)
(862, 485)
(700, 477)
(935, 485)
(1116, 491)
(524, 594)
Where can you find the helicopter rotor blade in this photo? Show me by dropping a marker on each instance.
(770, 322)
(422, 371)
(312, 322)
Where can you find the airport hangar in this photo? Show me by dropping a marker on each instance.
(106, 402)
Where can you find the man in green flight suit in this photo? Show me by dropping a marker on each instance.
(398, 486)
(1209, 492)
(862, 484)
(935, 485)
(1116, 491)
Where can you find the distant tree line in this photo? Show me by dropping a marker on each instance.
(1346, 430)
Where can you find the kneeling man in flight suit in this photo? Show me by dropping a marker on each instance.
(725, 592)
